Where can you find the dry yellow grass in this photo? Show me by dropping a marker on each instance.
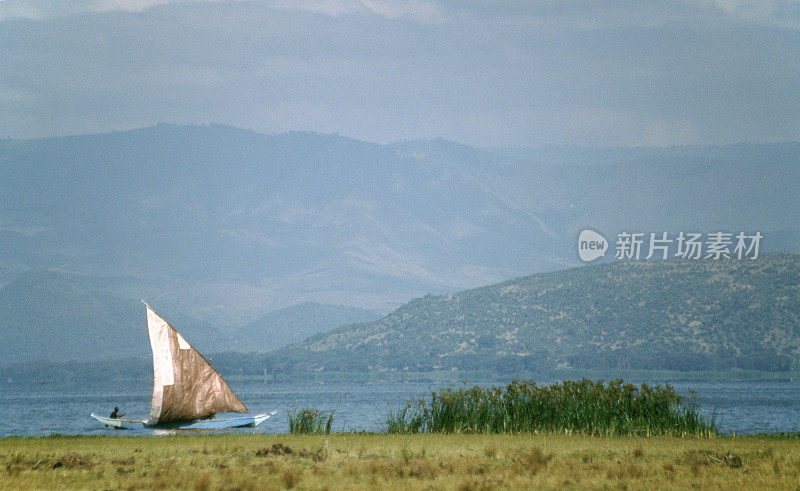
(398, 461)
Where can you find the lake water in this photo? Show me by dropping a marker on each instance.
(743, 407)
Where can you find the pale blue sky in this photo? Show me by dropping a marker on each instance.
(482, 73)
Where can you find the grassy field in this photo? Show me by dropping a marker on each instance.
(364, 461)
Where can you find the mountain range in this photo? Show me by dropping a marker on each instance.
(224, 225)
(691, 315)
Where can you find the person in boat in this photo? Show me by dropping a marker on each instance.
(115, 414)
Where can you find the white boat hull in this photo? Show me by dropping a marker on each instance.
(118, 423)
(201, 424)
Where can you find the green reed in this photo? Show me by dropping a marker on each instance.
(584, 407)
(310, 421)
(407, 419)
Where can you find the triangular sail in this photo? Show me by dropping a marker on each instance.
(185, 386)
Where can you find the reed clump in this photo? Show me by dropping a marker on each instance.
(581, 407)
(310, 421)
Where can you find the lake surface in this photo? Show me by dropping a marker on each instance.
(741, 407)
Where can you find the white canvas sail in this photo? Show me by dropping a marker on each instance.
(185, 386)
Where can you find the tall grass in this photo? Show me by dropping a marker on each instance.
(407, 419)
(310, 421)
(583, 407)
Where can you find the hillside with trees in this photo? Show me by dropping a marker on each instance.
(674, 315)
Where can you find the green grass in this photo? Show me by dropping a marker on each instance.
(310, 421)
(585, 407)
(418, 461)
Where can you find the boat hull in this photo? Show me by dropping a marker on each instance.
(218, 423)
(118, 423)
(201, 424)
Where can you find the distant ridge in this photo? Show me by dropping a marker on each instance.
(61, 317)
(237, 223)
(49, 316)
(673, 315)
(282, 327)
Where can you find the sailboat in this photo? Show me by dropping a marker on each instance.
(187, 391)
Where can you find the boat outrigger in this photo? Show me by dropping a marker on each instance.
(187, 391)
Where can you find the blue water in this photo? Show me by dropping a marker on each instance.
(741, 407)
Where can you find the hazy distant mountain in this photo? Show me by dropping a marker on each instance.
(682, 315)
(286, 326)
(224, 224)
(62, 317)
(55, 317)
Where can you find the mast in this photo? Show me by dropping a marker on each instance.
(185, 386)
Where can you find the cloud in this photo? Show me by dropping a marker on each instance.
(44, 9)
(778, 13)
(609, 14)
(545, 14)
(16, 97)
(131, 5)
(481, 73)
(332, 8)
(420, 11)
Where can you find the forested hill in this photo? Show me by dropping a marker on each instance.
(677, 314)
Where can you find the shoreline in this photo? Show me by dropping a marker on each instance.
(14, 375)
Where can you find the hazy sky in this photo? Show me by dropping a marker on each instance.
(484, 73)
